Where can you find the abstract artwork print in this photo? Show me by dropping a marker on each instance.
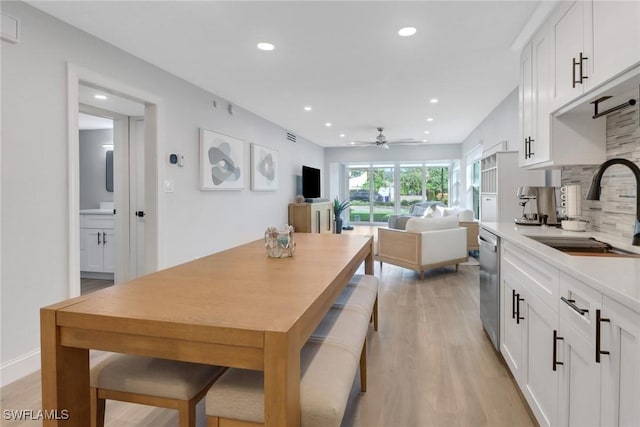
(221, 161)
(264, 168)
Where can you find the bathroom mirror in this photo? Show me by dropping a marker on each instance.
(110, 171)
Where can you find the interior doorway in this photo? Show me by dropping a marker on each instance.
(111, 184)
(134, 166)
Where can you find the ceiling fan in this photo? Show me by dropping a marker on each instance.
(382, 141)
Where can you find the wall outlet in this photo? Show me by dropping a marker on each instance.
(168, 186)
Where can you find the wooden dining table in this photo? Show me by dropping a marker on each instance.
(236, 308)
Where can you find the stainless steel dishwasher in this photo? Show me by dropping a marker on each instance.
(490, 285)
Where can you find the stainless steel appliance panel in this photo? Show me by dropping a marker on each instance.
(490, 285)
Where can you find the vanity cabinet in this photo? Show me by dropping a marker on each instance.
(97, 243)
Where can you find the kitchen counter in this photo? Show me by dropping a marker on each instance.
(617, 278)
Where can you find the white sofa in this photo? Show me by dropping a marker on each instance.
(424, 244)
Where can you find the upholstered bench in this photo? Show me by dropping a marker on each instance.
(149, 381)
(361, 292)
(328, 363)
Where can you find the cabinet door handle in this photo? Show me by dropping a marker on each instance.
(99, 241)
(555, 349)
(513, 303)
(571, 303)
(582, 76)
(531, 153)
(104, 238)
(518, 318)
(526, 148)
(599, 319)
(573, 72)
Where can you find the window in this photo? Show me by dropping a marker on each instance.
(377, 191)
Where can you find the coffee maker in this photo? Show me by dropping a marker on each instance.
(545, 206)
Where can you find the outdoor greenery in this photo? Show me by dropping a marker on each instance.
(382, 197)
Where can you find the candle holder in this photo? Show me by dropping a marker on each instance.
(279, 243)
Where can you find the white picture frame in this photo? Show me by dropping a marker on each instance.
(222, 165)
(264, 168)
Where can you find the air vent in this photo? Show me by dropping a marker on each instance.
(291, 137)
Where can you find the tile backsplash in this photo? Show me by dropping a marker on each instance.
(615, 211)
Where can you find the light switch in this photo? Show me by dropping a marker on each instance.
(168, 186)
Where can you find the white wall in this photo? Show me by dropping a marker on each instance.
(93, 171)
(34, 171)
(500, 125)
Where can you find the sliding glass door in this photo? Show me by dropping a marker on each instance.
(377, 191)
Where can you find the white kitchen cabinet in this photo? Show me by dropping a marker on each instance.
(571, 51)
(529, 324)
(620, 336)
(580, 384)
(616, 38)
(97, 245)
(511, 330)
(597, 388)
(593, 41)
(535, 86)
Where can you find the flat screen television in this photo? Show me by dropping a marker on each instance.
(310, 182)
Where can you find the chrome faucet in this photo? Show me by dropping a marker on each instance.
(594, 190)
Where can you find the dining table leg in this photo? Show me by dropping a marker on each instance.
(65, 377)
(281, 379)
(368, 261)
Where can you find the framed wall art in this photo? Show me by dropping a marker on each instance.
(264, 168)
(221, 161)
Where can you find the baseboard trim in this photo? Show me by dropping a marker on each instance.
(21, 366)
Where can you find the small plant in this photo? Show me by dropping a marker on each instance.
(340, 206)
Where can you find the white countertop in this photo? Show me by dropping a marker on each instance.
(96, 212)
(617, 278)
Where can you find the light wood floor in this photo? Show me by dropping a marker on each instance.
(430, 364)
(91, 285)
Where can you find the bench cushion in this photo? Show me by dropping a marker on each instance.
(152, 377)
(327, 372)
(360, 293)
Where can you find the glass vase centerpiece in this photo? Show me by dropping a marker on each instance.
(279, 243)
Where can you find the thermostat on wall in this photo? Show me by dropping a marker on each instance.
(176, 159)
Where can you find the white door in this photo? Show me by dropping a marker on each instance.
(512, 324)
(92, 259)
(136, 194)
(108, 247)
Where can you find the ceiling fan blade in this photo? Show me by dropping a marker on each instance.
(395, 141)
(411, 143)
(385, 146)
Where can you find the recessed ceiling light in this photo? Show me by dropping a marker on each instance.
(328, 124)
(430, 119)
(425, 140)
(407, 31)
(307, 108)
(100, 97)
(352, 143)
(342, 135)
(427, 132)
(433, 100)
(265, 46)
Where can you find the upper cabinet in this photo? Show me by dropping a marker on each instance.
(616, 38)
(534, 94)
(593, 41)
(571, 51)
(582, 48)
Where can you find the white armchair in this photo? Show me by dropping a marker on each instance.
(425, 243)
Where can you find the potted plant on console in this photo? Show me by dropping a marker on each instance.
(338, 208)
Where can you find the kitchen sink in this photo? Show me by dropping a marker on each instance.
(583, 246)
